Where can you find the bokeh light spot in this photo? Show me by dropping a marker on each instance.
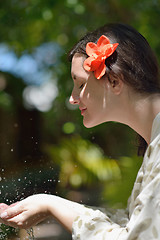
(68, 127)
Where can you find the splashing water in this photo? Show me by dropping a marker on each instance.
(30, 234)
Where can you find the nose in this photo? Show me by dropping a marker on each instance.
(74, 100)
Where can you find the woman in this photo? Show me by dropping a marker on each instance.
(115, 77)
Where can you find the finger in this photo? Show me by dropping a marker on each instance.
(11, 212)
(9, 223)
(13, 204)
(3, 206)
(19, 221)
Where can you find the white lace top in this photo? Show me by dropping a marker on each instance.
(142, 220)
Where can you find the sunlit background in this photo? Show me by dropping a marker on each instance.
(44, 147)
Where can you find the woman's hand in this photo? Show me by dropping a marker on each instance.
(26, 213)
(3, 206)
(34, 209)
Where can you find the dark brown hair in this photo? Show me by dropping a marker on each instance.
(133, 59)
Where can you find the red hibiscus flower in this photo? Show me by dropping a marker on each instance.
(97, 55)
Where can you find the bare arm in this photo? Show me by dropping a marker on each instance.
(65, 211)
(36, 208)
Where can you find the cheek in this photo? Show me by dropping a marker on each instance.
(92, 95)
(84, 94)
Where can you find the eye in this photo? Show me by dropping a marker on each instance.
(81, 85)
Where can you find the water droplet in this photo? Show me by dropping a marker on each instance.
(30, 234)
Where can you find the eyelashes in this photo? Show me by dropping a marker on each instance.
(81, 85)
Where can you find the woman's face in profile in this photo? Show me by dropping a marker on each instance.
(88, 93)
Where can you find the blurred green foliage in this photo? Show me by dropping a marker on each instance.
(116, 193)
(83, 165)
(6, 232)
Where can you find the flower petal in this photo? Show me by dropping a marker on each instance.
(101, 57)
(99, 72)
(97, 55)
(106, 48)
(91, 49)
(87, 64)
(109, 49)
(91, 64)
(113, 48)
(102, 41)
(95, 64)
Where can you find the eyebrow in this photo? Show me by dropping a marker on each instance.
(75, 77)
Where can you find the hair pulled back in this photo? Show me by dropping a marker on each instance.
(133, 58)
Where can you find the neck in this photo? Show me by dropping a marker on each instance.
(140, 113)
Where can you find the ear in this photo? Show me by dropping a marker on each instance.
(116, 83)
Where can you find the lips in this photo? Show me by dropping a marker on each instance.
(82, 110)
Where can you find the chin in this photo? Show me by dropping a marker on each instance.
(90, 124)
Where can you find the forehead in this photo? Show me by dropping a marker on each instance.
(77, 69)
